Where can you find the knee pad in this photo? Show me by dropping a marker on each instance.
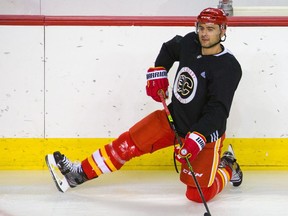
(192, 193)
(110, 157)
(123, 148)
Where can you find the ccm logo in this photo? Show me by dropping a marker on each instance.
(189, 173)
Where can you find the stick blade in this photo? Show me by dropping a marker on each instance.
(60, 181)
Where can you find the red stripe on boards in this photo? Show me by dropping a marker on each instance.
(134, 20)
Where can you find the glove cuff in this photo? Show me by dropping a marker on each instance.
(198, 138)
(156, 73)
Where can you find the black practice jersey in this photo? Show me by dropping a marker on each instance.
(203, 88)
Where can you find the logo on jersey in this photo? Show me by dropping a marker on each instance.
(188, 172)
(185, 85)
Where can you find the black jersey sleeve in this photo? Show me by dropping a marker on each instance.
(169, 53)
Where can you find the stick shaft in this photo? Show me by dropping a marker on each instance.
(161, 95)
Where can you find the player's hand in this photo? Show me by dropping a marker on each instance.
(157, 80)
(193, 144)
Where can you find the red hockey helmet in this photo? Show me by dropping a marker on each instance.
(212, 15)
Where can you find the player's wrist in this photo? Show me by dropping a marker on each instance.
(198, 138)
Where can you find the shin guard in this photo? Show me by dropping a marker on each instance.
(110, 157)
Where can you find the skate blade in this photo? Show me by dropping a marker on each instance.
(61, 182)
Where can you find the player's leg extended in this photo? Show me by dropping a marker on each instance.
(148, 135)
(109, 158)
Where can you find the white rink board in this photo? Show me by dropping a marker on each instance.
(21, 81)
(95, 80)
(260, 108)
(101, 72)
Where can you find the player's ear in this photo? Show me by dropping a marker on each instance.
(223, 30)
(223, 33)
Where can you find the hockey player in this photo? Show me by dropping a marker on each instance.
(202, 94)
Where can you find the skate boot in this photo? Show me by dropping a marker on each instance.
(228, 159)
(72, 172)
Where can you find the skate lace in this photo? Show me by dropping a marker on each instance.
(72, 167)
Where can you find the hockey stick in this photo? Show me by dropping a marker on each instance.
(161, 95)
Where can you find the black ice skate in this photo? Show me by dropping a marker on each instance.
(228, 159)
(70, 175)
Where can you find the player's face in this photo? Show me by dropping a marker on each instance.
(209, 34)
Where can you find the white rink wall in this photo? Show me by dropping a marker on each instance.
(89, 81)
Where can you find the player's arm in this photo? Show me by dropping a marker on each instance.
(157, 77)
(169, 53)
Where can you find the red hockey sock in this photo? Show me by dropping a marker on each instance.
(111, 157)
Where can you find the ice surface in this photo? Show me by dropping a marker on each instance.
(139, 193)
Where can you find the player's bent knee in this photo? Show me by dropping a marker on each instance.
(193, 194)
